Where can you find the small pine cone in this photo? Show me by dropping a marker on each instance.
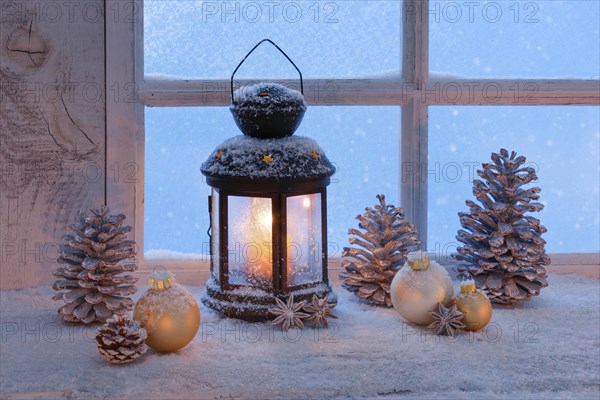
(121, 340)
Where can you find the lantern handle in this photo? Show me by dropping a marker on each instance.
(281, 51)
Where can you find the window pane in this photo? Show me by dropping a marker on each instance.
(515, 39)
(304, 239)
(215, 231)
(250, 241)
(362, 142)
(561, 143)
(207, 39)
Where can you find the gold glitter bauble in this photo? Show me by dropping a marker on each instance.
(475, 305)
(168, 312)
(418, 288)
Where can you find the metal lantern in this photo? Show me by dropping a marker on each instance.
(268, 207)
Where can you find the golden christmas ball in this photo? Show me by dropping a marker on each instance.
(168, 312)
(475, 305)
(419, 287)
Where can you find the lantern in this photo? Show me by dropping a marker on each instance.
(268, 207)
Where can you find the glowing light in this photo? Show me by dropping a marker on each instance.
(306, 202)
(266, 218)
(258, 228)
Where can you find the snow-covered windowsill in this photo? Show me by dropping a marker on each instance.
(544, 348)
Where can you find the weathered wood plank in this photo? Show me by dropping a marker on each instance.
(125, 131)
(511, 92)
(414, 131)
(52, 130)
(321, 92)
(388, 91)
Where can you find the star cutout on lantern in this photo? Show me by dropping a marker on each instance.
(267, 158)
(315, 155)
(220, 153)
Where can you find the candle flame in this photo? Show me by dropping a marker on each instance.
(266, 218)
(259, 229)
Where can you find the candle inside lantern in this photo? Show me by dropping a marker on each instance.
(251, 241)
(259, 242)
(306, 202)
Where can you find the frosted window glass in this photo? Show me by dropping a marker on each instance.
(562, 143)
(304, 239)
(362, 142)
(207, 39)
(515, 38)
(177, 142)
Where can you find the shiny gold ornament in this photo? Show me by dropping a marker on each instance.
(267, 158)
(168, 312)
(475, 305)
(419, 287)
(315, 155)
(220, 153)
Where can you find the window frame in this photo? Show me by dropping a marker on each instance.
(128, 92)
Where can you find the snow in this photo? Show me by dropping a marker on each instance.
(279, 98)
(162, 254)
(240, 291)
(546, 348)
(292, 158)
(174, 298)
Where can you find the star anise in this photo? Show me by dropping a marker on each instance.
(288, 315)
(319, 311)
(447, 320)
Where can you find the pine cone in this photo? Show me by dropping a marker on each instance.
(383, 247)
(94, 283)
(121, 340)
(504, 247)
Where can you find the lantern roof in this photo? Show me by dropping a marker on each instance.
(294, 158)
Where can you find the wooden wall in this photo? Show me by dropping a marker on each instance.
(52, 129)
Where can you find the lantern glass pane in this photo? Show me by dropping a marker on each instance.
(215, 242)
(250, 241)
(304, 239)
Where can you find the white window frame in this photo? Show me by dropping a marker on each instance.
(414, 92)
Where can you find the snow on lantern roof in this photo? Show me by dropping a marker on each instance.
(266, 97)
(291, 158)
